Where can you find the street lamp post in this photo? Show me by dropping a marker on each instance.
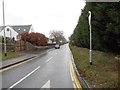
(4, 30)
(89, 18)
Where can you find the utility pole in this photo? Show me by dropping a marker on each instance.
(89, 18)
(4, 31)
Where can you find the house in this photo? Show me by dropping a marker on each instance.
(15, 30)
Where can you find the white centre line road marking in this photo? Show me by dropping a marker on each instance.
(23, 78)
(48, 60)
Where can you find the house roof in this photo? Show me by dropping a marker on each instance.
(21, 28)
(18, 28)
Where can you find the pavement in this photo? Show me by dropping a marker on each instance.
(53, 69)
(25, 55)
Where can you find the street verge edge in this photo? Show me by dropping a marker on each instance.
(81, 79)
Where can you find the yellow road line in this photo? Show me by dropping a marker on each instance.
(2, 70)
(76, 80)
(74, 86)
(76, 83)
(72, 75)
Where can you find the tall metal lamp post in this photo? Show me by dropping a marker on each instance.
(89, 18)
(4, 31)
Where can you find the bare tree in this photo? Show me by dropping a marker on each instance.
(57, 36)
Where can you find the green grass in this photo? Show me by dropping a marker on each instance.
(9, 55)
(104, 71)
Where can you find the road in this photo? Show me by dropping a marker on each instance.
(51, 70)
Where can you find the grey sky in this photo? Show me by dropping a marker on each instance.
(44, 15)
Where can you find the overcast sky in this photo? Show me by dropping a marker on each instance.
(44, 15)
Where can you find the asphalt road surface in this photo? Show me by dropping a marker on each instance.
(51, 70)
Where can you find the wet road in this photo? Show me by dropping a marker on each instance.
(51, 70)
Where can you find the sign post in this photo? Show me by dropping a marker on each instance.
(89, 18)
(4, 31)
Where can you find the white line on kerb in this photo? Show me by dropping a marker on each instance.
(48, 60)
(23, 78)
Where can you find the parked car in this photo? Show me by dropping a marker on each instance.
(57, 46)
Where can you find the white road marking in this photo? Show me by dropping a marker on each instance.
(48, 60)
(46, 85)
(23, 78)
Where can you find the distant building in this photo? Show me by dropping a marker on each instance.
(15, 30)
(49, 41)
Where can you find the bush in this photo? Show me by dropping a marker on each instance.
(37, 39)
(9, 41)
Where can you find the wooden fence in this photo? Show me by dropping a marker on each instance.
(19, 45)
(22, 45)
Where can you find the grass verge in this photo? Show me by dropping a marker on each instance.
(9, 55)
(104, 71)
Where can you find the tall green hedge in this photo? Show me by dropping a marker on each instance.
(105, 27)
